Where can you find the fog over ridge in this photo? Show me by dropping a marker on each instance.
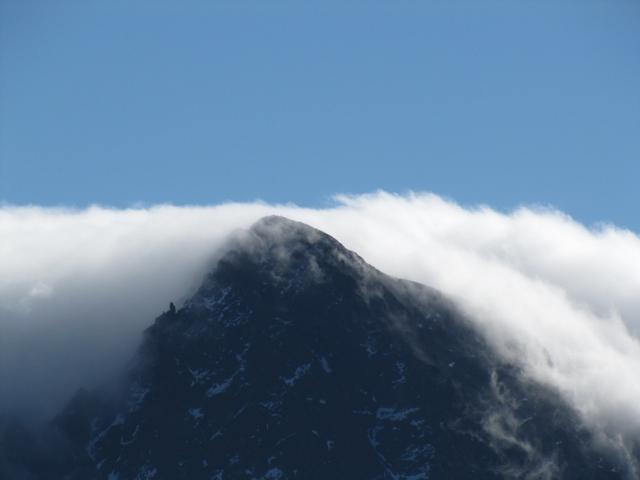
(558, 298)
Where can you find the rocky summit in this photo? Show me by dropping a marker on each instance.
(297, 360)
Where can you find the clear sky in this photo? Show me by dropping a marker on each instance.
(501, 102)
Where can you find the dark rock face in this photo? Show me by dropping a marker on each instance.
(295, 359)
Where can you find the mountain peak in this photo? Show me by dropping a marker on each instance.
(280, 222)
(275, 233)
(296, 359)
(289, 255)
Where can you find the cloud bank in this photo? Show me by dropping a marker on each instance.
(561, 300)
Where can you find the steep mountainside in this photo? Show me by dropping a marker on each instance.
(296, 359)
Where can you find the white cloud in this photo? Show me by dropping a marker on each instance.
(560, 299)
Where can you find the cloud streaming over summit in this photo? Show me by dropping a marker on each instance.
(560, 300)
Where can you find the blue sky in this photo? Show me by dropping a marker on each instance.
(499, 102)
